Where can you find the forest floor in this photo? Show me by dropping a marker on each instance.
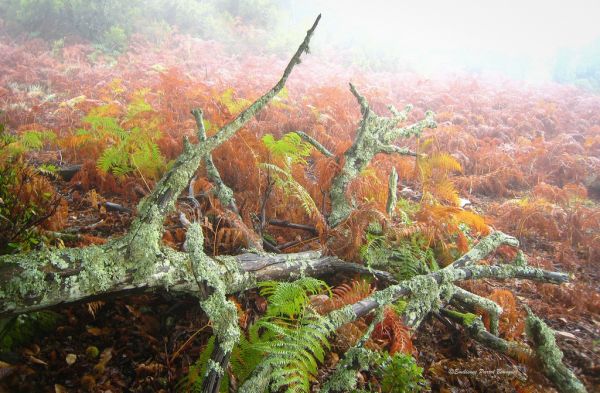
(525, 158)
(147, 342)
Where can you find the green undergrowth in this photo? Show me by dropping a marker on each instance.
(405, 259)
(291, 333)
(26, 197)
(22, 329)
(129, 142)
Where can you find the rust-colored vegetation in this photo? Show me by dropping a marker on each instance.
(527, 162)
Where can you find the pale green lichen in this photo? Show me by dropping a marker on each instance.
(344, 378)
(520, 259)
(550, 355)
(258, 383)
(341, 316)
(392, 199)
(485, 246)
(100, 268)
(143, 243)
(38, 280)
(29, 282)
(57, 261)
(477, 302)
(385, 296)
(425, 297)
(446, 290)
(212, 366)
(221, 312)
(223, 315)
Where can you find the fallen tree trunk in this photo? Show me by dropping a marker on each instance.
(42, 280)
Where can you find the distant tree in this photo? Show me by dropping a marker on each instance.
(580, 67)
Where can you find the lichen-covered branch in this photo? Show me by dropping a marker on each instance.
(545, 352)
(221, 312)
(222, 191)
(473, 302)
(476, 329)
(549, 356)
(374, 135)
(309, 139)
(426, 293)
(485, 247)
(392, 198)
(44, 279)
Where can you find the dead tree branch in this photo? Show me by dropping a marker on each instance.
(222, 191)
(375, 135)
(392, 199)
(425, 292)
(316, 144)
(544, 353)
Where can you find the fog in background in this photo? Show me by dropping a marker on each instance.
(518, 38)
(536, 40)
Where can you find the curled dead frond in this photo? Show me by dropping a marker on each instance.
(511, 322)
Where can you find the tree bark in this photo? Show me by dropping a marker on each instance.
(545, 353)
(374, 135)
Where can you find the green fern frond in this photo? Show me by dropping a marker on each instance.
(114, 159)
(34, 140)
(275, 169)
(47, 169)
(285, 181)
(404, 260)
(139, 104)
(374, 249)
(233, 105)
(246, 356)
(147, 159)
(290, 145)
(295, 355)
(289, 299)
(128, 149)
(104, 126)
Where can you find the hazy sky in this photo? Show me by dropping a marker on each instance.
(442, 33)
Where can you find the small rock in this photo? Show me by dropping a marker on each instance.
(71, 359)
(464, 202)
(92, 352)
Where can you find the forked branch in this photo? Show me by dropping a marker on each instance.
(374, 135)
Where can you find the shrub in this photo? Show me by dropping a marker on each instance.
(55, 19)
(26, 197)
